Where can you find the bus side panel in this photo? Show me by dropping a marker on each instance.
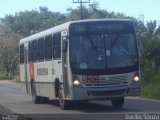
(22, 73)
(71, 86)
(57, 70)
(36, 79)
(70, 80)
(45, 79)
(25, 84)
(46, 90)
(22, 78)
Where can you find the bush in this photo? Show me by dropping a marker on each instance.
(4, 77)
(150, 84)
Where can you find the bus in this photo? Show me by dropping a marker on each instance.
(83, 60)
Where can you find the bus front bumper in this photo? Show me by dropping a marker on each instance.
(95, 93)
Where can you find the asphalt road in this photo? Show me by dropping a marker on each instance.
(13, 99)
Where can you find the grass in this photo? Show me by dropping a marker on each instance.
(151, 89)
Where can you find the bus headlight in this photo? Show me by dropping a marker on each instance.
(76, 82)
(136, 79)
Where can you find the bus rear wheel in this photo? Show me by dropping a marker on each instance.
(118, 102)
(62, 102)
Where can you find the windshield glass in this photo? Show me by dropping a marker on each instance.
(103, 51)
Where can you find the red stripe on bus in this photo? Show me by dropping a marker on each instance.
(31, 69)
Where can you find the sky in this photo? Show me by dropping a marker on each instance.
(147, 9)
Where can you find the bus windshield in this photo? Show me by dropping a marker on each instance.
(103, 50)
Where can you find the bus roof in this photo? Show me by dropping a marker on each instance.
(62, 27)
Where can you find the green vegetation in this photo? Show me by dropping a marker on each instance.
(150, 88)
(5, 77)
(150, 82)
(25, 23)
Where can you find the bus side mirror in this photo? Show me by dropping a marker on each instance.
(64, 44)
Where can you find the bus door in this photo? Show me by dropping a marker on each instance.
(26, 67)
(65, 63)
(59, 60)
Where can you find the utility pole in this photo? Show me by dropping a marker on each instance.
(81, 2)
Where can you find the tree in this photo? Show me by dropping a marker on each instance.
(31, 22)
(24, 22)
(8, 49)
(151, 43)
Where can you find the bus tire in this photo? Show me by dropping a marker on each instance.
(62, 102)
(36, 99)
(118, 102)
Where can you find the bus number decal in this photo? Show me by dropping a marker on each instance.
(90, 79)
(42, 71)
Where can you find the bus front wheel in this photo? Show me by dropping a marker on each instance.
(118, 102)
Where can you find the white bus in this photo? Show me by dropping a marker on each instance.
(80, 61)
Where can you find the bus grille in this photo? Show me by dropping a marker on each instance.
(107, 93)
(111, 81)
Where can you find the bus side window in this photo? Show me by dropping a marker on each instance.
(48, 47)
(22, 54)
(41, 49)
(57, 46)
(34, 50)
